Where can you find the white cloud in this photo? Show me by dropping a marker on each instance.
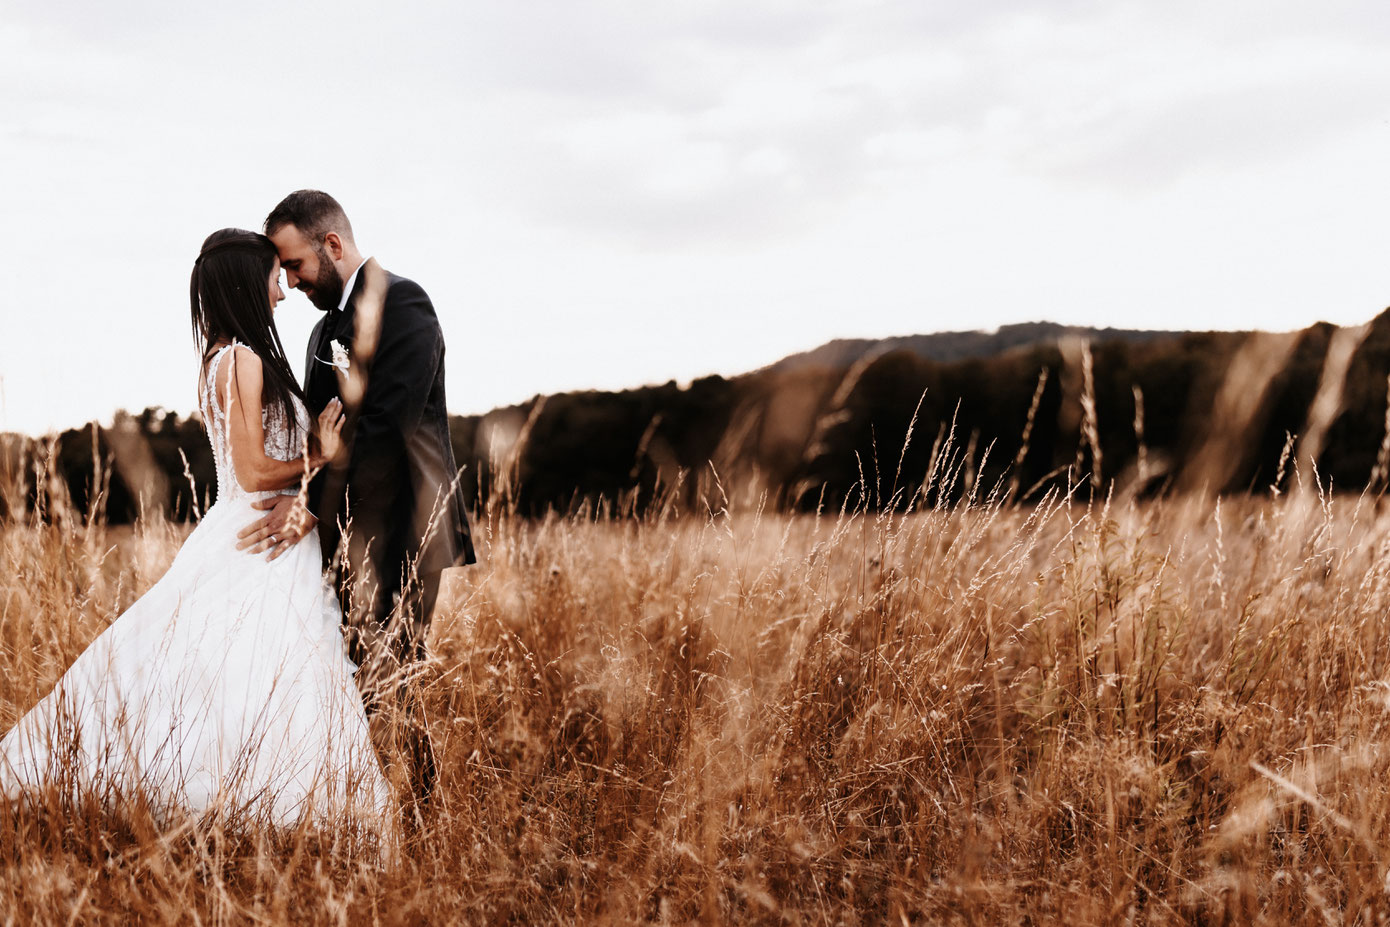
(610, 192)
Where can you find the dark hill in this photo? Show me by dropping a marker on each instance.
(1203, 411)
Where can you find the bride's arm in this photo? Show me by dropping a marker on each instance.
(239, 385)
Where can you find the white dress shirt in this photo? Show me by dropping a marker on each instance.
(347, 287)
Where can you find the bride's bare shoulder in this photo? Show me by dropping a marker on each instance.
(239, 371)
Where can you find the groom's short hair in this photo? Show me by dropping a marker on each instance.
(313, 212)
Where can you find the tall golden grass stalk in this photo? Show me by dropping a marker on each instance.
(1157, 712)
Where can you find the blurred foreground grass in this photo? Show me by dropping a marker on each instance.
(1151, 712)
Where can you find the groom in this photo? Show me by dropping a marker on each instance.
(389, 509)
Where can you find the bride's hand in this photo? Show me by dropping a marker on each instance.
(330, 430)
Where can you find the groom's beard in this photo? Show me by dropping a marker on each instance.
(327, 289)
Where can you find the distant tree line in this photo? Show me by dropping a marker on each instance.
(1210, 412)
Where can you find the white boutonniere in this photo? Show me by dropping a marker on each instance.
(340, 356)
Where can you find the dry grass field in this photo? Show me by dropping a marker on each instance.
(1152, 712)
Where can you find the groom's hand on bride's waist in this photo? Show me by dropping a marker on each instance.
(285, 524)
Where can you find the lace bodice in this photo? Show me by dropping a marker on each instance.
(278, 443)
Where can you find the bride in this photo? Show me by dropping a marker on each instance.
(226, 687)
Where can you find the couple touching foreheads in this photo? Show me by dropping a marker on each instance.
(249, 678)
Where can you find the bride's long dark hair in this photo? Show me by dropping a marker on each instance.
(230, 298)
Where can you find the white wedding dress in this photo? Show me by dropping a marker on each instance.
(226, 687)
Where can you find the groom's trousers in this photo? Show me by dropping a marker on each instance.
(386, 633)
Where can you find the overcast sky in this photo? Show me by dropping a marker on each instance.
(606, 194)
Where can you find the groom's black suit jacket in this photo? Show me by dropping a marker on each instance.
(396, 478)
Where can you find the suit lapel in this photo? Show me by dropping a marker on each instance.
(320, 384)
(346, 325)
(315, 388)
